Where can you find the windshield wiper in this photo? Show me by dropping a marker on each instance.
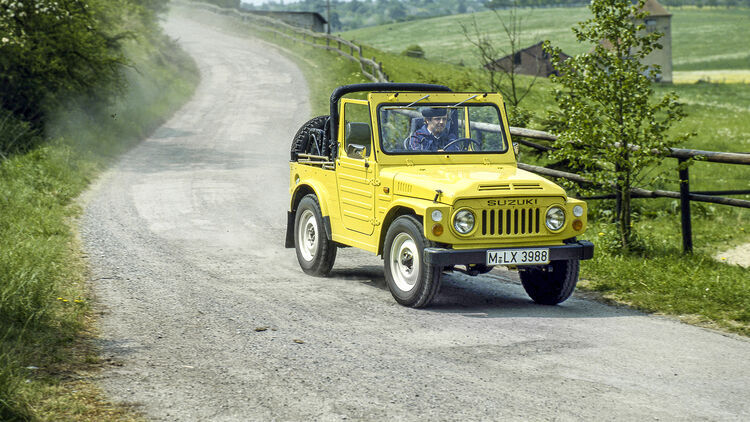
(407, 106)
(470, 98)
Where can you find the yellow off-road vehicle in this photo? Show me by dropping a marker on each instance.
(427, 178)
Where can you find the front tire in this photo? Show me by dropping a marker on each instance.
(411, 282)
(553, 285)
(315, 251)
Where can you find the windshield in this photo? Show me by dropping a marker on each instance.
(441, 128)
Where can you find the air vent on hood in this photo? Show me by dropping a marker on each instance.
(527, 186)
(498, 186)
(402, 187)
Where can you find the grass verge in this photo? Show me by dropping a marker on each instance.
(46, 359)
(658, 278)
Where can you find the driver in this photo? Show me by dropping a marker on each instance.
(432, 136)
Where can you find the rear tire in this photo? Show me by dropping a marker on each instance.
(315, 251)
(547, 287)
(411, 282)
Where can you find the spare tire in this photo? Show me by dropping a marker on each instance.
(301, 143)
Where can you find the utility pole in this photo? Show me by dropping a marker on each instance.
(328, 17)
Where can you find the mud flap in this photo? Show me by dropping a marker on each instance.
(290, 216)
(289, 243)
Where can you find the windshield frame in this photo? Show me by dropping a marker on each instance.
(502, 129)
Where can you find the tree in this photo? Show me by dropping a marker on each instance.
(503, 79)
(52, 49)
(611, 121)
(397, 12)
(335, 21)
(461, 6)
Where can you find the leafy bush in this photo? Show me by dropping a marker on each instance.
(51, 49)
(414, 51)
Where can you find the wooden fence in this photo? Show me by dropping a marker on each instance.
(370, 68)
(522, 135)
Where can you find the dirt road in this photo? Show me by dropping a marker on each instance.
(210, 317)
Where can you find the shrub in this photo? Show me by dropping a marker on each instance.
(414, 51)
(50, 49)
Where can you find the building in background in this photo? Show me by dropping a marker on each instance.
(659, 20)
(532, 61)
(312, 21)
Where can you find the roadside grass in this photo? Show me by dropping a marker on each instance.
(657, 278)
(47, 360)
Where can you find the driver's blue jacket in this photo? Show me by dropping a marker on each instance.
(423, 140)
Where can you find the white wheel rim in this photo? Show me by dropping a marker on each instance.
(307, 235)
(405, 263)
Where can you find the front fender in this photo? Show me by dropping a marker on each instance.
(398, 207)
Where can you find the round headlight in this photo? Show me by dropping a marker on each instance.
(437, 216)
(463, 222)
(578, 210)
(555, 218)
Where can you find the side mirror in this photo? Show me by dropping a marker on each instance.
(516, 149)
(355, 151)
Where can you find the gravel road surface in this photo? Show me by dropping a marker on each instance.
(208, 317)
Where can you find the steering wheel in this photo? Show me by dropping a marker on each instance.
(466, 141)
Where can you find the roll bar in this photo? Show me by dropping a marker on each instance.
(369, 87)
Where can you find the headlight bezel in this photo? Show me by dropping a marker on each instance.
(454, 221)
(555, 208)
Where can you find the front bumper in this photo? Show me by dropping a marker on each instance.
(581, 249)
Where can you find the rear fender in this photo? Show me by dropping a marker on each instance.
(300, 192)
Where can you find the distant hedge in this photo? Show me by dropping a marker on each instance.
(229, 4)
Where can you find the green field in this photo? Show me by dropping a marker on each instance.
(702, 39)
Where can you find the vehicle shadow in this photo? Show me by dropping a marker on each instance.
(498, 294)
(369, 275)
(501, 295)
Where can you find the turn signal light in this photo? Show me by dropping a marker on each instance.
(437, 229)
(577, 225)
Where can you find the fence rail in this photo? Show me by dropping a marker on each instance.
(684, 195)
(370, 68)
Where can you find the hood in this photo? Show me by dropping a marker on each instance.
(469, 181)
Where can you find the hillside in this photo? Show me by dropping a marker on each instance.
(702, 39)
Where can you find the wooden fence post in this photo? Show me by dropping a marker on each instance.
(687, 229)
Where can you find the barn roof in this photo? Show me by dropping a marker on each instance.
(654, 8)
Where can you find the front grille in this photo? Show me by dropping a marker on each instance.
(511, 222)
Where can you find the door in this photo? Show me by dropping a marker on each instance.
(355, 169)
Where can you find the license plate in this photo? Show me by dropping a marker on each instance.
(518, 256)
